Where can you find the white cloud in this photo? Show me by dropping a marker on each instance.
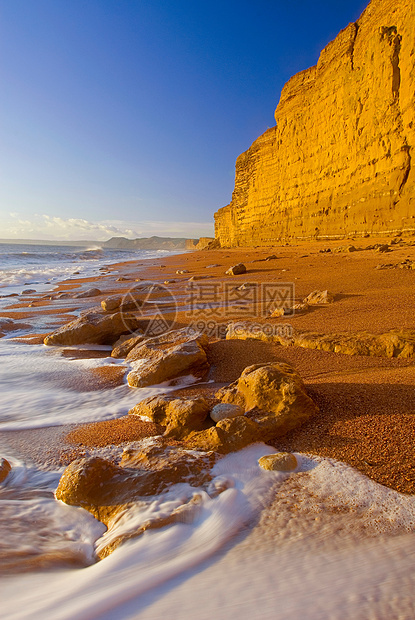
(68, 229)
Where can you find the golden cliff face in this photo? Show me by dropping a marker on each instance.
(338, 161)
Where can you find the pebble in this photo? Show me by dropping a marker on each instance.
(281, 461)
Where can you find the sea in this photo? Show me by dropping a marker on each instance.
(322, 542)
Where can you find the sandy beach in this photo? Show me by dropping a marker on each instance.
(367, 404)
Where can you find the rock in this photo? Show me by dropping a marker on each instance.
(273, 396)
(346, 166)
(180, 416)
(111, 303)
(386, 266)
(194, 278)
(246, 285)
(167, 357)
(319, 297)
(277, 312)
(91, 292)
(5, 469)
(396, 343)
(126, 343)
(229, 435)
(300, 308)
(129, 303)
(351, 248)
(281, 461)
(382, 247)
(225, 410)
(245, 330)
(107, 490)
(236, 270)
(28, 291)
(272, 257)
(182, 271)
(212, 266)
(93, 328)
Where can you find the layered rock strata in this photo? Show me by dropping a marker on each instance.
(339, 161)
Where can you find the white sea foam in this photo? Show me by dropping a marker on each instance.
(39, 387)
(205, 569)
(44, 266)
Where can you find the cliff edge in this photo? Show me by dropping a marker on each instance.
(339, 161)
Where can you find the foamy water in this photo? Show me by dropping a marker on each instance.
(39, 387)
(213, 566)
(41, 267)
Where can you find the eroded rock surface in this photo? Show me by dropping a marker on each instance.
(180, 416)
(395, 343)
(167, 357)
(93, 328)
(338, 161)
(273, 395)
(272, 399)
(107, 490)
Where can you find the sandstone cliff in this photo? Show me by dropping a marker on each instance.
(338, 161)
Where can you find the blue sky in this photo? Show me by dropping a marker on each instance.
(125, 117)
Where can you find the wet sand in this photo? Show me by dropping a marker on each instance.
(367, 404)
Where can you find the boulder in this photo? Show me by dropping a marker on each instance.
(225, 410)
(319, 297)
(93, 328)
(5, 469)
(167, 357)
(273, 396)
(180, 416)
(236, 270)
(106, 490)
(129, 303)
(281, 461)
(91, 292)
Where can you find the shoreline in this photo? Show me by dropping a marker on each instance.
(367, 404)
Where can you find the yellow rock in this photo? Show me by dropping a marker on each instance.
(338, 161)
(5, 469)
(281, 461)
